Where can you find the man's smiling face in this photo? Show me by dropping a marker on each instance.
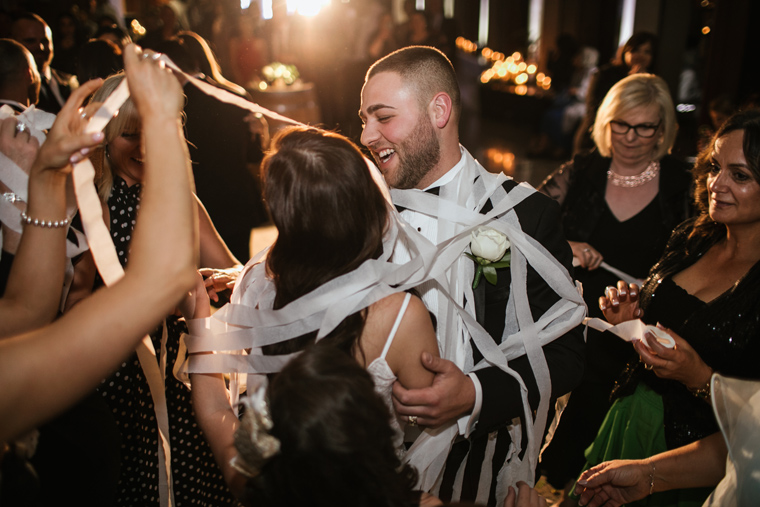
(397, 130)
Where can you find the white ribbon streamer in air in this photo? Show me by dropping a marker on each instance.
(249, 322)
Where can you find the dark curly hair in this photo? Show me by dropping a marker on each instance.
(330, 217)
(749, 122)
(336, 443)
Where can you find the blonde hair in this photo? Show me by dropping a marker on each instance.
(633, 92)
(127, 120)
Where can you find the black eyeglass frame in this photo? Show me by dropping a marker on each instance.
(635, 128)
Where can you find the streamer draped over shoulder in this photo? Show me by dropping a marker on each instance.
(238, 331)
(249, 322)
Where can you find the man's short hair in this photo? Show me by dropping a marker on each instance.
(14, 58)
(426, 68)
(29, 16)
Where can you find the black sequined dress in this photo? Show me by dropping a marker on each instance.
(725, 332)
(197, 478)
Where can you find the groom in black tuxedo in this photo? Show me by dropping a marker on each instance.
(410, 109)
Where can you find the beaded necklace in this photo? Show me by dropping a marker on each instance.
(636, 180)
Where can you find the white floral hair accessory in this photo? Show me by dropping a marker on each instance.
(490, 251)
(254, 444)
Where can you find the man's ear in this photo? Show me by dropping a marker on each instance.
(441, 109)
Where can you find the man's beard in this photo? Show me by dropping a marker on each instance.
(420, 153)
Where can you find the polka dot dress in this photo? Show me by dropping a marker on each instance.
(197, 479)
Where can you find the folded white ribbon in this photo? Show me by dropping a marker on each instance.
(631, 330)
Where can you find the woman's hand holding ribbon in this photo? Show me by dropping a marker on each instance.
(588, 256)
(621, 303)
(681, 363)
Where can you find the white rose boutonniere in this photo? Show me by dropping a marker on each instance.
(490, 251)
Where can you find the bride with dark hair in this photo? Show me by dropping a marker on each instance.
(331, 217)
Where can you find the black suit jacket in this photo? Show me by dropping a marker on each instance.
(540, 218)
(502, 402)
(47, 101)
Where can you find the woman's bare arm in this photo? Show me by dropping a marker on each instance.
(33, 294)
(45, 371)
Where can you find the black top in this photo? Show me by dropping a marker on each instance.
(633, 246)
(724, 332)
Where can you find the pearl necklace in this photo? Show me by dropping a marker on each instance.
(636, 180)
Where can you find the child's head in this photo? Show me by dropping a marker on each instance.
(335, 438)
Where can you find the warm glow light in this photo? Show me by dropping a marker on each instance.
(508, 162)
(521, 90)
(517, 56)
(705, 30)
(532, 69)
(262, 85)
(502, 72)
(487, 52)
(484, 78)
(307, 7)
(512, 68)
(540, 76)
(522, 66)
(137, 27)
(521, 79)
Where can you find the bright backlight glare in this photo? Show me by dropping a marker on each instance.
(307, 7)
(244, 4)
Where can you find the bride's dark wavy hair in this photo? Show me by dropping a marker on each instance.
(749, 122)
(330, 217)
(336, 443)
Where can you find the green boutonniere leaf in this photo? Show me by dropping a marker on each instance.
(490, 273)
(487, 268)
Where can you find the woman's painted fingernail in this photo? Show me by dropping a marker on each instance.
(98, 136)
(76, 157)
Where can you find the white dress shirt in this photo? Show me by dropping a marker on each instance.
(428, 227)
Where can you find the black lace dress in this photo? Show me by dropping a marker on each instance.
(197, 478)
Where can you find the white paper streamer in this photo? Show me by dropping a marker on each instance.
(622, 275)
(327, 306)
(256, 324)
(106, 259)
(631, 330)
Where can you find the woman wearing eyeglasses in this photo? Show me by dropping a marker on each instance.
(619, 204)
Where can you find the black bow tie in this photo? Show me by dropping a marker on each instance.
(434, 191)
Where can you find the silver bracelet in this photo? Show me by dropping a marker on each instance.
(50, 224)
